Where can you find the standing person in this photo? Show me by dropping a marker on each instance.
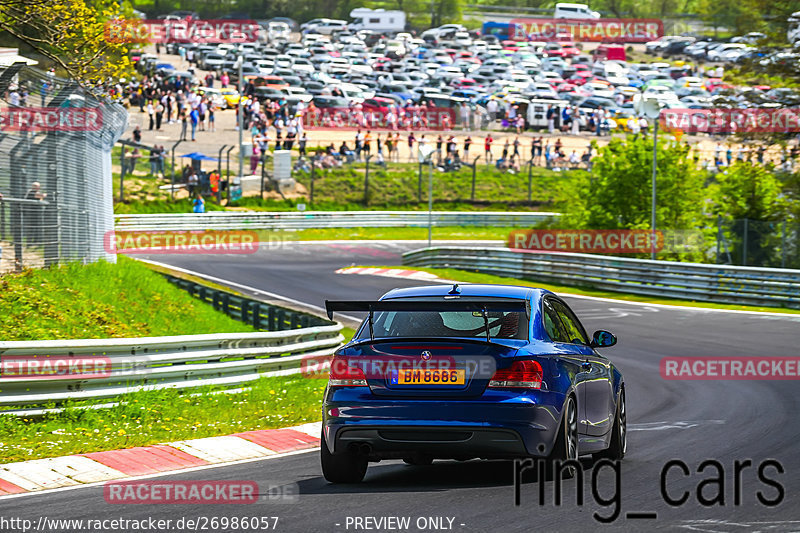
(547, 153)
(32, 214)
(151, 113)
(194, 117)
(536, 150)
(601, 117)
(379, 146)
(224, 80)
(359, 144)
(255, 157)
(729, 155)
(576, 115)
(154, 161)
(198, 204)
(301, 144)
(551, 121)
(487, 148)
(159, 115)
(184, 124)
(212, 109)
(439, 142)
(137, 134)
(464, 116)
(505, 150)
(492, 107)
(367, 143)
(467, 144)
(516, 148)
(201, 110)
(411, 140)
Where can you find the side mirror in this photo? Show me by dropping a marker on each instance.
(603, 339)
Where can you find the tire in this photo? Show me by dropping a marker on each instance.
(346, 467)
(619, 436)
(566, 446)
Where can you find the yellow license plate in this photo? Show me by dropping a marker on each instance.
(433, 376)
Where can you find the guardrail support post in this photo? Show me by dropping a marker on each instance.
(783, 244)
(530, 181)
(295, 321)
(281, 322)
(474, 171)
(271, 319)
(256, 310)
(366, 179)
(219, 173)
(744, 244)
(311, 190)
(226, 303)
(419, 185)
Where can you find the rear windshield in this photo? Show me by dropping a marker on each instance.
(502, 325)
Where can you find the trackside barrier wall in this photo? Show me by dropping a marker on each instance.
(223, 220)
(182, 362)
(690, 281)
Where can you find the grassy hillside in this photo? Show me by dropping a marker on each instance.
(102, 300)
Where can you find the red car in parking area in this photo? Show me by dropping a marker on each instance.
(378, 104)
(561, 49)
(464, 83)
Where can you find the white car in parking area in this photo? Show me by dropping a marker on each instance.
(302, 64)
(716, 53)
(663, 94)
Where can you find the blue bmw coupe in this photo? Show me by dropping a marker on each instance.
(472, 371)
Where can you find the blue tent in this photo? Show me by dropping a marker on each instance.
(197, 156)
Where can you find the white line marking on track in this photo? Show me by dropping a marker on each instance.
(246, 287)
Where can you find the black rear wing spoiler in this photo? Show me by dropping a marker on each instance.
(483, 307)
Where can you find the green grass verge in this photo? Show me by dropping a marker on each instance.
(395, 188)
(477, 277)
(102, 300)
(161, 416)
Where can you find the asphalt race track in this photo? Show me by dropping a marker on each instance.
(691, 421)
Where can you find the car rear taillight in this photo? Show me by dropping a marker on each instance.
(521, 374)
(344, 375)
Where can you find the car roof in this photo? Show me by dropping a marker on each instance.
(469, 289)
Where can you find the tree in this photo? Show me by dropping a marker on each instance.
(617, 193)
(71, 33)
(752, 196)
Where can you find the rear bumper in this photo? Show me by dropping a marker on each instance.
(449, 443)
(511, 426)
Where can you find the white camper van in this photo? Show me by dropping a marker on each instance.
(574, 11)
(377, 20)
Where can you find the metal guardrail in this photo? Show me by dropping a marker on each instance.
(151, 363)
(253, 220)
(693, 281)
(260, 315)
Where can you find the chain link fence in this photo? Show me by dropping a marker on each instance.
(55, 169)
(759, 243)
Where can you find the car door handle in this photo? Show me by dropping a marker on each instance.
(586, 366)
